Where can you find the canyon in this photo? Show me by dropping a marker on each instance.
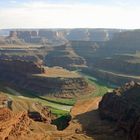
(61, 84)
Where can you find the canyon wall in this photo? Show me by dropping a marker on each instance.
(36, 35)
(31, 76)
(64, 56)
(110, 77)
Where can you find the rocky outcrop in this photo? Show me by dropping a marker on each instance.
(13, 125)
(5, 101)
(20, 126)
(122, 106)
(5, 114)
(25, 124)
(40, 113)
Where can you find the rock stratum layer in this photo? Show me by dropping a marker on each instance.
(35, 77)
(122, 106)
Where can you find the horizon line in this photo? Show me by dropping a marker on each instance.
(11, 28)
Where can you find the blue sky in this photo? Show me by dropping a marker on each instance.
(69, 14)
(7, 3)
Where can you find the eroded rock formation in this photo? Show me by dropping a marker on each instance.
(122, 106)
(20, 126)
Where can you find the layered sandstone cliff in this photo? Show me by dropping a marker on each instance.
(35, 77)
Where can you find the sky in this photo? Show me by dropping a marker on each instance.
(123, 14)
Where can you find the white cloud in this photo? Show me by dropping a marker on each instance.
(43, 15)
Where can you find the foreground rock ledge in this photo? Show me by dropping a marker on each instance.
(123, 107)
